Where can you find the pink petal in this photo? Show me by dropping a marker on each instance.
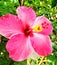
(9, 25)
(41, 44)
(26, 14)
(46, 24)
(19, 47)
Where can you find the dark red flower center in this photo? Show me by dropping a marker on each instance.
(28, 31)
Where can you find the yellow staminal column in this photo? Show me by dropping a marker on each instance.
(37, 28)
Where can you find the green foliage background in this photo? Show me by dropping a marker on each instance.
(41, 7)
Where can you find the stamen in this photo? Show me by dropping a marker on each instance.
(37, 28)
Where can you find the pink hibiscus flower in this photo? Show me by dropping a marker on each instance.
(26, 33)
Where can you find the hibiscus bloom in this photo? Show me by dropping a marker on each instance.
(26, 33)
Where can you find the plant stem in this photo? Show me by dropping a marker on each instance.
(28, 61)
(41, 61)
(22, 3)
(0, 38)
(19, 2)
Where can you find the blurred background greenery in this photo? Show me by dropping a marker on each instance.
(41, 7)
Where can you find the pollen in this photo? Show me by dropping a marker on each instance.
(37, 28)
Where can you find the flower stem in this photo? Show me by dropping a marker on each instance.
(41, 61)
(19, 2)
(22, 3)
(28, 61)
(0, 38)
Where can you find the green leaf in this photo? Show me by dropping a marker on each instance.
(54, 3)
(20, 63)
